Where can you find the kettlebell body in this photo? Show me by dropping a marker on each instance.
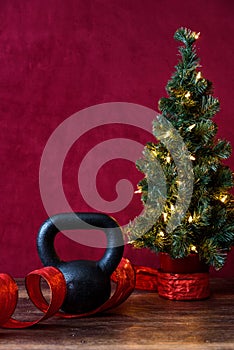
(87, 286)
(88, 282)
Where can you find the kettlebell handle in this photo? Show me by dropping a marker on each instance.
(71, 221)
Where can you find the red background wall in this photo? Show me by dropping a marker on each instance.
(58, 57)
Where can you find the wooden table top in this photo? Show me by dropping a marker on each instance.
(145, 321)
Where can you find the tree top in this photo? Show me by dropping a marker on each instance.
(186, 36)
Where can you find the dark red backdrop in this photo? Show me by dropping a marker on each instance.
(58, 57)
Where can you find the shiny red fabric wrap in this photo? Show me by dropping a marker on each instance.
(9, 295)
(127, 277)
(124, 276)
(178, 286)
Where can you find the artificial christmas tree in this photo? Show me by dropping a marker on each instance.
(204, 226)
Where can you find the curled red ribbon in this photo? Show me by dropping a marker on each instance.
(124, 277)
(9, 295)
(127, 277)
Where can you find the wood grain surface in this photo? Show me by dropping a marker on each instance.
(145, 321)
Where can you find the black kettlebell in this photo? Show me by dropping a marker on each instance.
(88, 282)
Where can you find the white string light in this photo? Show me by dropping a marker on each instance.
(198, 76)
(168, 159)
(192, 157)
(191, 127)
(223, 199)
(190, 219)
(193, 249)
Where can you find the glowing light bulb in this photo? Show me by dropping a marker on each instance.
(167, 134)
(193, 249)
(192, 158)
(164, 216)
(161, 234)
(138, 191)
(190, 219)
(172, 207)
(196, 36)
(223, 199)
(188, 94)
(191, 127)
(198, 76)
(168, 159)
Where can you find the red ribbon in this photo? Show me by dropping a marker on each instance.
(9, 295)
(127, 277)
(124, 277)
